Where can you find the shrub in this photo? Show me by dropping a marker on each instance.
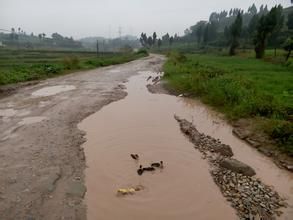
(282, 131)
(71, 62)
(177, 57)
(142, 52)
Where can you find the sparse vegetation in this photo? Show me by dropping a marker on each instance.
(24, 65)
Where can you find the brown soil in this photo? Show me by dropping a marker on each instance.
(41, 162)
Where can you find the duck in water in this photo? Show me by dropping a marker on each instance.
(149, 169)
(140, 170)
(158, 165)
(134, 156)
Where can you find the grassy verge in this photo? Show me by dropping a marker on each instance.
(240, 87)
(19, 66)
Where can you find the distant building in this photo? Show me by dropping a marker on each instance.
(1, 44)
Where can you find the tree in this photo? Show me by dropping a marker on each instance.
(166, 38)
(235, 31)
(266, 26)
(227, 34)
(206, 34)
(200, 31)
(150, 41)
(213, 28)
(288, 46)
(252, 10)
(57, 37)
(276, 32)
(231, 12)
(261, 10)
(266, 9)
(171, 40)
(159, 43)
(13, 35)
(154, 38)
(143, 40)
(290, 20)
(252, 26)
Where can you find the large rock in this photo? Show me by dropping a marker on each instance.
(240, 133)
(188, 129)
(237, 167)
(224, 150)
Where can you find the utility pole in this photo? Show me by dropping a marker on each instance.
(104, 50)
(97, 48)
(120, 36)
(120, 32)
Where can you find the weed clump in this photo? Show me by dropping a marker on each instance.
(71, 62)
(241, 88)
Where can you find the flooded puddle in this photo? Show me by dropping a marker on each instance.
(144, 124)
(52, 90)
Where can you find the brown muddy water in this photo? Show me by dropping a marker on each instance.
(144, 123)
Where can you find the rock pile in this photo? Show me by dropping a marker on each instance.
(201, 141)
(237, 167)
(248, 195)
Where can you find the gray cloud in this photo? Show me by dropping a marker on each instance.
(80, 18)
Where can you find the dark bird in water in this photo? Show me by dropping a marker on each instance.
(149, 169)
(134, 156)
(140, 170)
(158, 165)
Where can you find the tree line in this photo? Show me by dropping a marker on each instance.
(19, 38)
(254, 28)
(153, 41)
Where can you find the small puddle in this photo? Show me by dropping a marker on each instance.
(52, 90)
(31, 120)
(144, 123)
(7, 112)
(114, 71)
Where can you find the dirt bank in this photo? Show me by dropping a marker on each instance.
(41, 162)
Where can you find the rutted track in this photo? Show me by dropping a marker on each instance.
(41, 162)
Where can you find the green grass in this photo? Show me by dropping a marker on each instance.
(25, 65)
(241, 87)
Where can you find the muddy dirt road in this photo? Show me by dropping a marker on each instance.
(144, 124)
(41, 162)
(43, 153)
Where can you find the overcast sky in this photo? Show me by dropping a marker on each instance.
(81, 18)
